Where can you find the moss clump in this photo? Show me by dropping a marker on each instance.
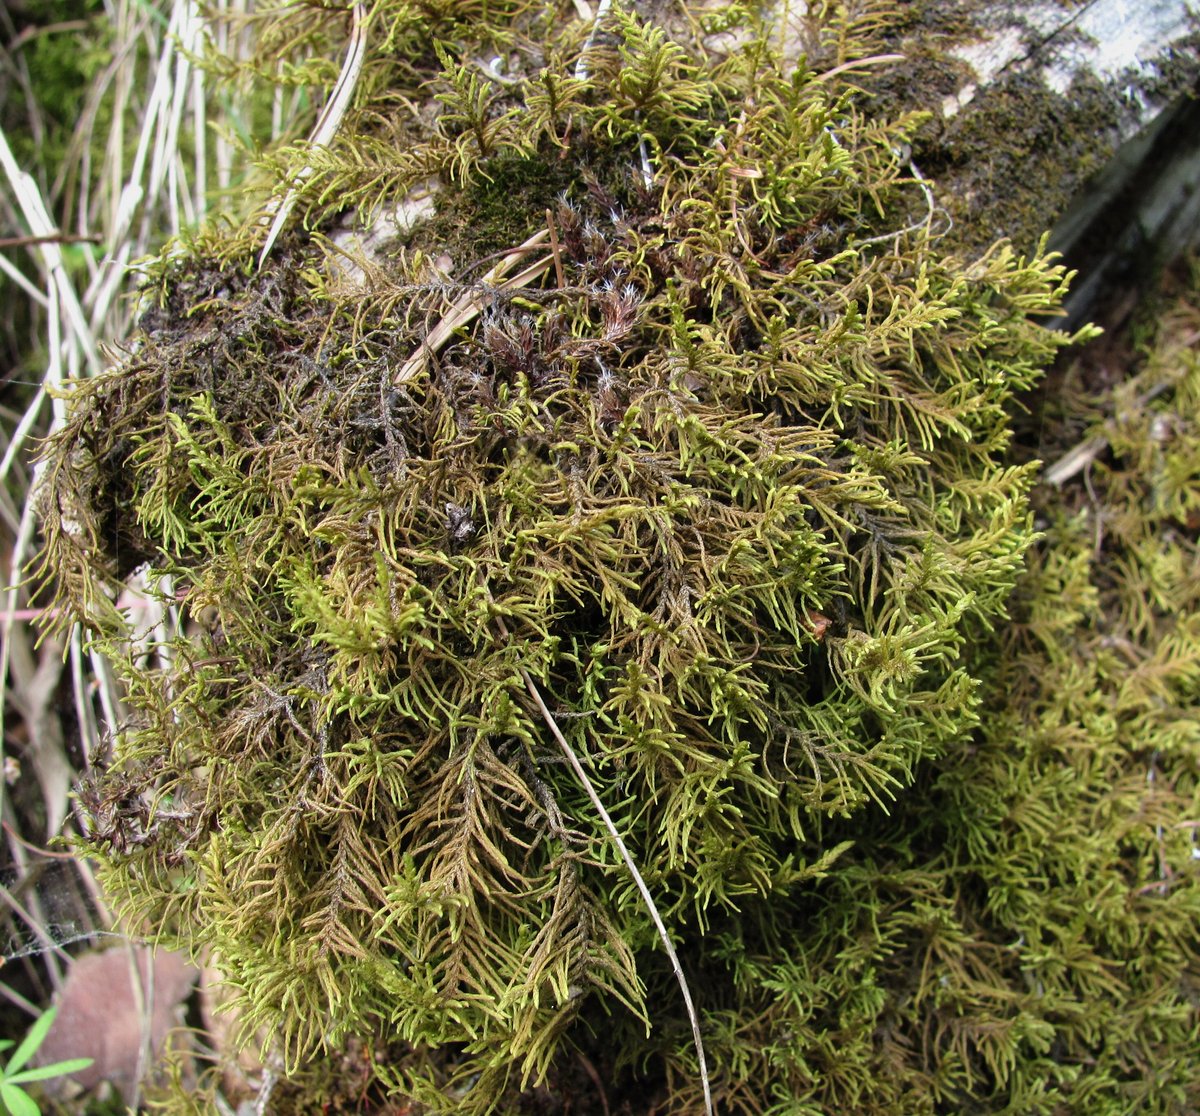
(1034, 902)
(492, 214)
(717, 475)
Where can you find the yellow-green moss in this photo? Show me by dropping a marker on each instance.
(727, 483)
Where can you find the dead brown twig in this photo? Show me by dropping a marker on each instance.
(55, 238)
(467, 307)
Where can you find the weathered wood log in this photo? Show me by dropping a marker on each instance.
(1076, 118)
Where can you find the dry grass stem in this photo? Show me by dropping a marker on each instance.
(329, 120)
(467, 307)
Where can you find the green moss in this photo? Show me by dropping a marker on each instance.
(509, 199)
(494, 213)
(726, 485)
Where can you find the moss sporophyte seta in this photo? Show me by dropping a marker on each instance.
(663, 439)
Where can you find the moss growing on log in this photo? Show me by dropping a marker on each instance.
(1010, 147)
(712, 461)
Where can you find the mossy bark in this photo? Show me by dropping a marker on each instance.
(1029, 103)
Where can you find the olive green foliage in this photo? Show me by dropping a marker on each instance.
(726, 475)
(1030, 936)
(14, 1075)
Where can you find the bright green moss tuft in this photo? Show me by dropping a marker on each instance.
(724, 474)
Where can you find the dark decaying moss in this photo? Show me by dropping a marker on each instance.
(726, 476)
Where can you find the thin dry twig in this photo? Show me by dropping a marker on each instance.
(1074, 460)
(56, 238)
(860, 64)
(467, 307)
(1079, 457)
(589, 787)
